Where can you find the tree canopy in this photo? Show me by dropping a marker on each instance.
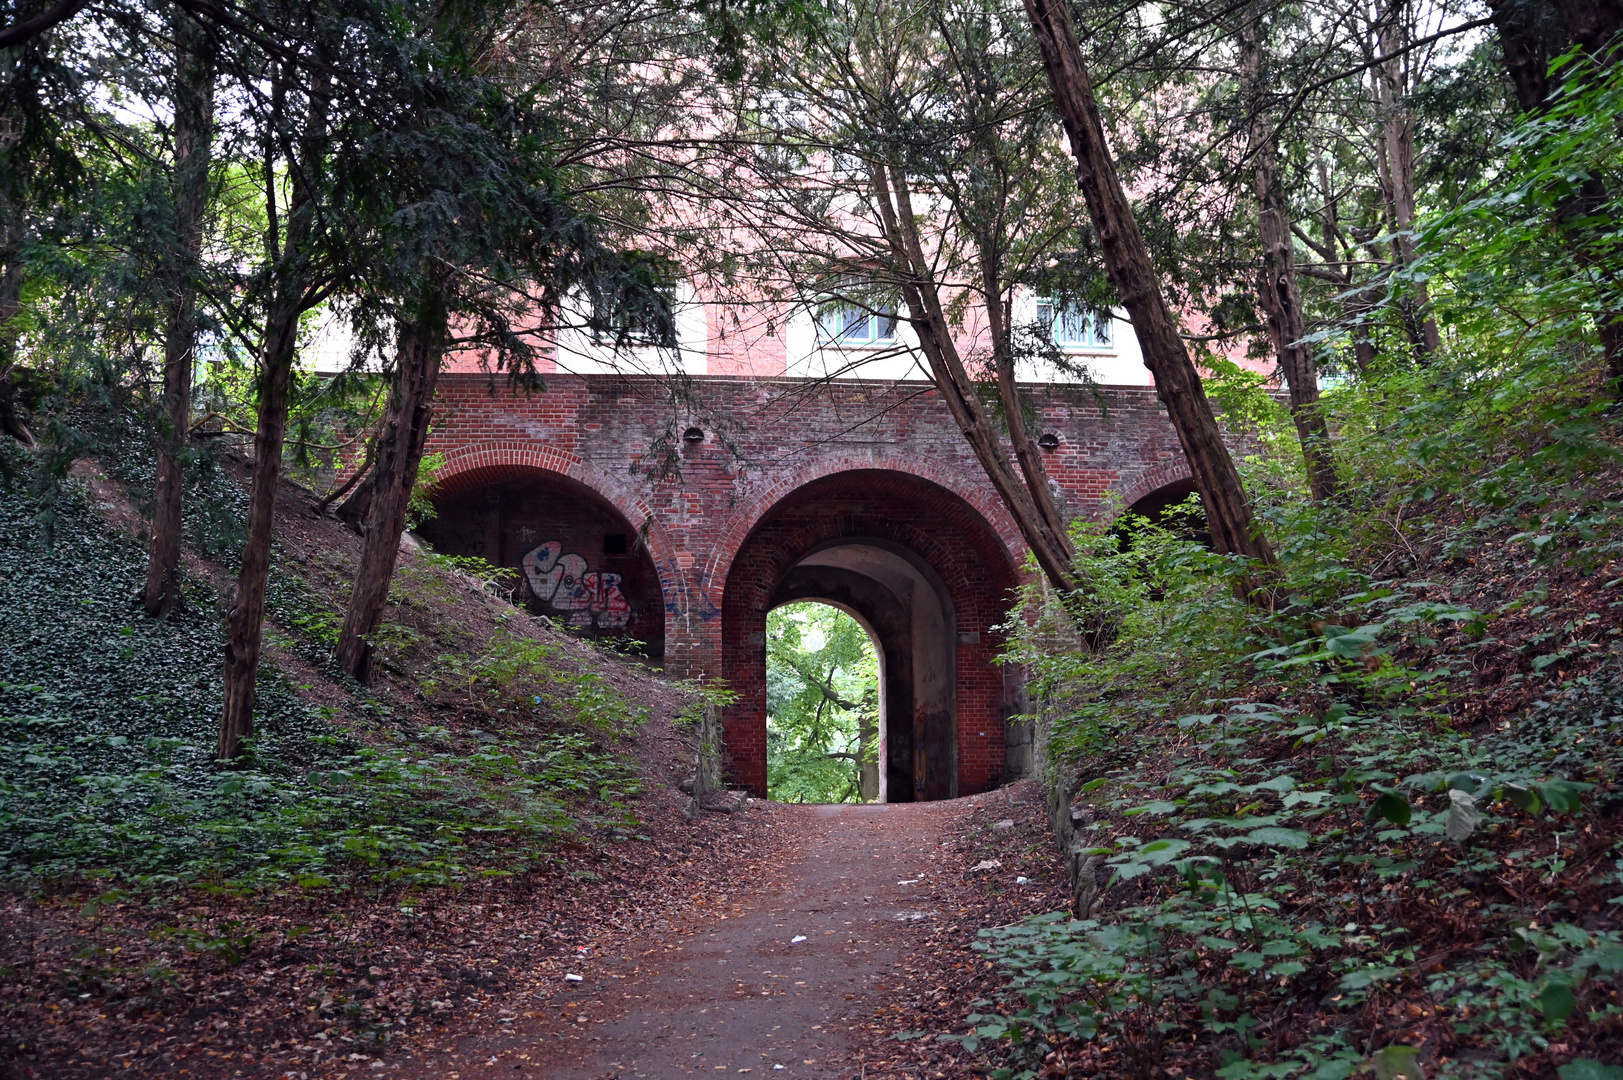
(822, 701)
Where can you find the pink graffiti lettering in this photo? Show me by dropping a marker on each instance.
(609, 604)
(562, 582)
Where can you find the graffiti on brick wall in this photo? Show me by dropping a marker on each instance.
(562, 582)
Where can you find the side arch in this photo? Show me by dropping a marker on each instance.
(1163, 475)
(472, 465)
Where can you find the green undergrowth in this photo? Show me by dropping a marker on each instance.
(1371, 821)
(107, 730)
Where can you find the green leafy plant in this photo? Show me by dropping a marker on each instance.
(107, 770)
(822, 682)
(1302, 810)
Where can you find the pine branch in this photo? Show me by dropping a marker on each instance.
(25, 31)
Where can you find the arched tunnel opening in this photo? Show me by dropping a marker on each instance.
(1169, 507)
(928, 578)
(578, 560)
(910, 615)
(825, 709)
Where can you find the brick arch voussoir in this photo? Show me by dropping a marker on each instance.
(476, 464)
(750, 512)
(752, 591)
(1159, 477)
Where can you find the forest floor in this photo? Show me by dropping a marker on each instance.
(858, 931)
(685, 945)
(119, 957)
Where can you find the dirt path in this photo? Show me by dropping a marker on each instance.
(774, 987)
(685, 944)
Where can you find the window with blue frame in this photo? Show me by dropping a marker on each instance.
(846, 324)
(1073, 328)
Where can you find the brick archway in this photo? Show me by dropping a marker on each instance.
(475, 465)
(784, 434)
(953, 545)
(1154, 479)
(976, 493)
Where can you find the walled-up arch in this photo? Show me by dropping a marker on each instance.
(587, 555)
(928, 575)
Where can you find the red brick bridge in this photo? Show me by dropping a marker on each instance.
(862, 494)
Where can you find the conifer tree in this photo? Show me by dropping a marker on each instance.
(192, 101)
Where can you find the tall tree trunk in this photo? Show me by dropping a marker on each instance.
(867, 756)
(245, 622)
(1027, 454)
(1595, 25)
(193, 127)
(1527, 60)
(707, 758)
(1335, 251)
(1364, 354)
(1277, 286)
(1127, 260)
(1397, 154)
(928, 319)
(420, 348)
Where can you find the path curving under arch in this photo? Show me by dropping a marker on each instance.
(886, 902)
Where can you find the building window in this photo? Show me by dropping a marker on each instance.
(1073, 328)
(846, 324)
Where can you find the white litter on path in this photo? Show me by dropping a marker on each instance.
(572, 977)
(797, 939)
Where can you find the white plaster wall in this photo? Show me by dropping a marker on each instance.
(326, 342)
(578, 353)
(1122, 364)
(806, 357)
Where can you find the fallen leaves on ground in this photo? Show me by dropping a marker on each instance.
(319, 983)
